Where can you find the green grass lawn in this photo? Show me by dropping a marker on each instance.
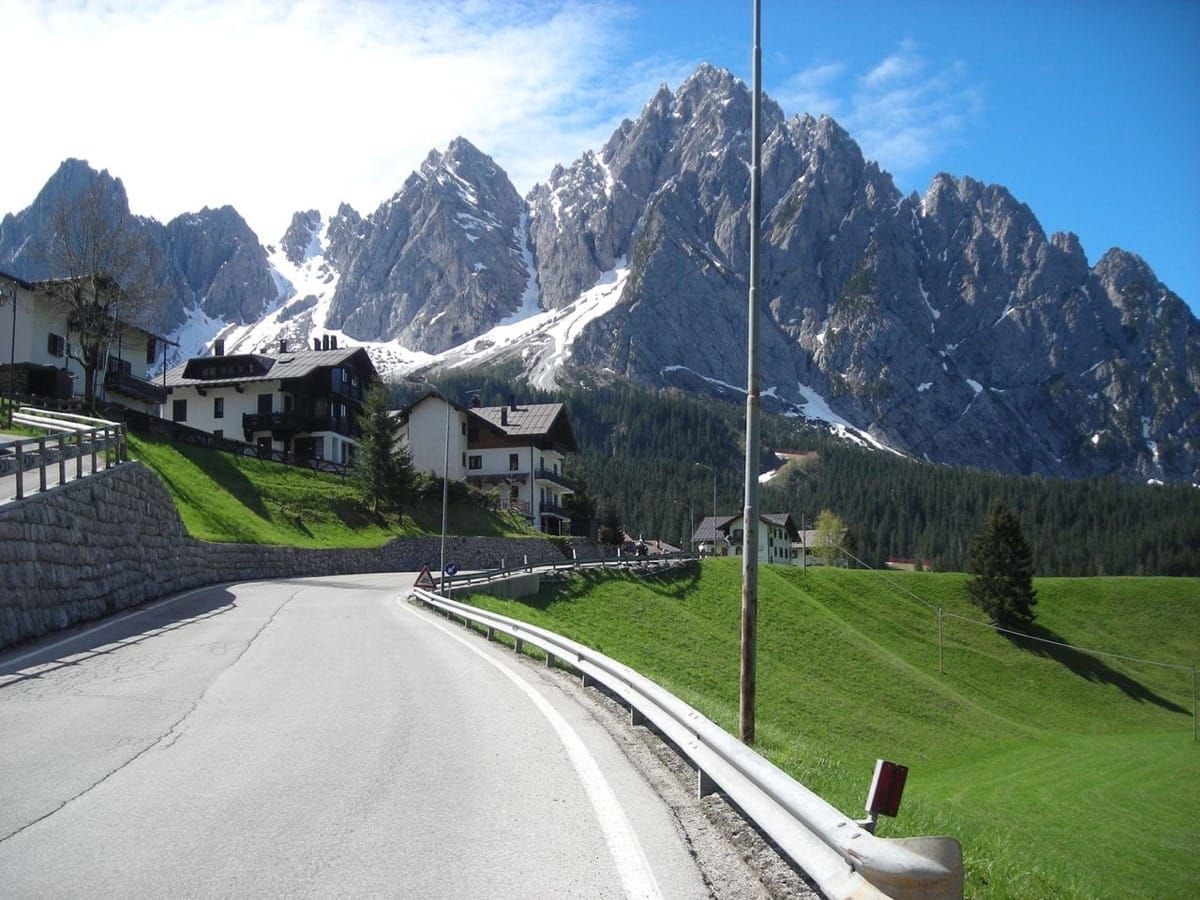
(1063, 773)
(223, 497)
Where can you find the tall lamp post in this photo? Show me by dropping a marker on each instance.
(712, 469)
(445, 485)
(748, 680)
(11, 294)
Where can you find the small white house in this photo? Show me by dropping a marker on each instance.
(516, 449)
(36, 351)
(722, 536)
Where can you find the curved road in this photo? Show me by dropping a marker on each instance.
(317, 737)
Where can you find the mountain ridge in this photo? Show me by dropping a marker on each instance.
(945, 324)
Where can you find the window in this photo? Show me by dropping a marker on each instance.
(179, 411)
(218, 407)
(463, 425)
(56, 344)
(474, 462)
(151, 350)
(514, 462)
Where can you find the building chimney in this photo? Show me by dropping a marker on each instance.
(324, 342)
(475, 401)
(219, 347)
(512, 402)
(504, 416)
(333, 342)
(283, 345)
(316, 343)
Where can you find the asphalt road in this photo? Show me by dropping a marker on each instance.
(317, 737)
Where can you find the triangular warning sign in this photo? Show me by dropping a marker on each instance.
(425, 580)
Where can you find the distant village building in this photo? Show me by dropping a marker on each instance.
(722, 536)
(517, 449)
(303, 403)
(36, 344)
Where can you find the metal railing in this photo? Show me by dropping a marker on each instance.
(70, 436)
(843, 858)
(486, 576)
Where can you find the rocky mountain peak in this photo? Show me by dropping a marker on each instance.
(300, 241)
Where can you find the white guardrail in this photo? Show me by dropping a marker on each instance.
(84, 435)
(844, 860)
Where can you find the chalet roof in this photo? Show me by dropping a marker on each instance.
(529, 420)
(713, 527)
(263, 367)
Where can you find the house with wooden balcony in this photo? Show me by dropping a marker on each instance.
(37, 359)
(301, 404)
(517, 450)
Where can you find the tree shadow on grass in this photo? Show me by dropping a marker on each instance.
(1087, 666)
(220, 468)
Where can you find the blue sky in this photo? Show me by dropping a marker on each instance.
(1088, 112)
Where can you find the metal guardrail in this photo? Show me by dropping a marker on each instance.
(90, 435)
(486, 576)
(843, 858)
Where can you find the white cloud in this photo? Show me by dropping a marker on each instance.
(812, 90)
(903, 111)
(906, 110)
(275, 105)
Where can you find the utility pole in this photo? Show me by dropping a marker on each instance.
(750, 515)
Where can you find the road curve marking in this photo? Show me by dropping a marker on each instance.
(630, 859)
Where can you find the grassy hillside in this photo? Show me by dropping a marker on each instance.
(222, 497)
(1063, 773)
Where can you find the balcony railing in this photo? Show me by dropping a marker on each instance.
(547, 508)
(137, 388)
(293, 422)
(543, 474)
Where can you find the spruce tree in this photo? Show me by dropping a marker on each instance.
(383, 468)
(1002, 570)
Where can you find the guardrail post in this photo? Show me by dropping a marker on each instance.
(636, 717)
(551, 660)
(491, 633)
(42, 464)
(62, 458)
(704, 785)
(518, 645)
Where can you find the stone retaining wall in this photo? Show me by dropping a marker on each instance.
(115, 540)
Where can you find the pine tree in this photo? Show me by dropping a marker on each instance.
(1002, 570)
(610, 527)
(383, 468)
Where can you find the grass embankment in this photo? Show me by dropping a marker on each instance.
(223, 497)
(1062, 773)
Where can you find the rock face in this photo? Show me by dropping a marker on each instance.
(949, 325)
(208, 261)
(442, 260)
(219, 265)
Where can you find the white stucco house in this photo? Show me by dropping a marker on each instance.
(37, 358)
(303, 404)
(722, 536)
(518, 449)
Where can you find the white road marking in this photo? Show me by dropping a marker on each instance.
(637, 878)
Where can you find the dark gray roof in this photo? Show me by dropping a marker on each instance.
(708, 529)
(282, 366)
(526, 420)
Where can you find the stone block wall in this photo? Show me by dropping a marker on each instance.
(114, 540)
